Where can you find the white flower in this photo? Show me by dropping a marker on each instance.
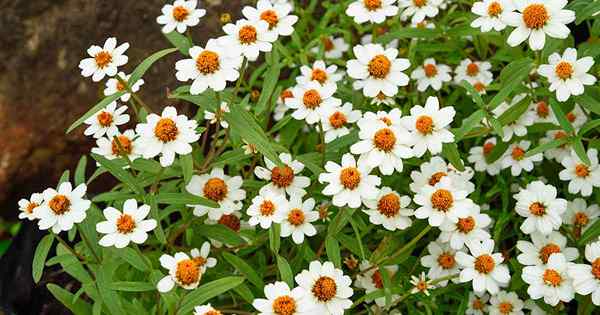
(468, 229)
(389, 209)
(582, 178)
(550, 281)
(201, 257)
(298, 218)
(431, 75)
(506, 303)
(209, 67)
(377, 70)
(167, 135)
(129, 226)
(483, 267)
(283, 179)
(336, 121)
(104, 60)
(276, 15)
(374, 11)
(280, 299)
(577, 117)
(517, 127)
(311, 100)
(320, 73)
(560, 152)
(478, 156)
(183, 271)
(429, 126)
(333, 47)
(348, 183)
(442, 202)
(213, 118)
(535, 19)
(441, 262)
(267, 208)
(515, 158)
(106, 121)
(205, 310)
(62, 208)
(491, 13)
(220, 188)
(477, 304)
(421, 284)
(27, 206)
(586, 278)
(419, 9)
(180, 15)
(580, 216)
(117, 146)
(542, 211)
(474, 72)
(566, 74)
(541, 113)
(326, 287)
(248, 38)
(371, 280)
(431, 172)
(538, 251)
(280, 107)
(113, 85)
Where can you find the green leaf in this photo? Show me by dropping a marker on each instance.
(514, 112)
(340, 220)
(450, 152)
(80, 171)
(469, 123)
(563, 121)
(113, 196)
(580, 151)
(79, 307)
(274, 238)
(270, 82)
(592, 8)
(180, 41)
(474, 94)
(102, 104)
(64, 177)
(220, 233)
(132, 286)
(158, 231)
(591, 233)
(408, 32)
(285, 271)
(589, 126)
(187, 165)
(184, 198)
(496, 125)
(141, 69)
(332, 247)
(205, 292)
(39, 258)
(135, 259)
(511, 77)
(496, 152)
(110, 298)
(547, 146)
(245, 269)
(232, 157)
(589, 102)
(118, 172)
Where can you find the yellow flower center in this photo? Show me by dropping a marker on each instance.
(552, 277)
(231, 221)
(200, 261)
(215, 189)
(350, 177)
(267, 208)
(102, 59)
(436, 177)
(166, 130)
(286, 94)
(312, 99)
(537, 209)
(571, 117)
(582, 170)
(472, 69)
(380, 66)
(384, 139)
(327, 43)
(596, 268)
(581, 219)
(60, 204)
(338, 120)
(282, 176)
(517, 153)
(377, 279)
(488, 147)
(187, 272)
(270, 17)
(296, 217)
(505, 307)
(535, 16)
(548, 250)
(125, 224)
(564, 70)
(120, 86)
(30, 207)
(125, 148)
(484, 264)
(207, 62)
(479, 87)
(180, 13)
(419, 3)
(389, 205)
(465, 225)
(477, 304)
(319, 75)
(542, 109)
(430, 70)
(446, 260)
(424, 124)
(284, 305)
(372, 5)
(247, 34)
(105, 119)
(494, 9)
(324, 289)
(442, 200)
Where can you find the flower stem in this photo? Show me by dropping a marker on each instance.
(88, 244)
(408, 245)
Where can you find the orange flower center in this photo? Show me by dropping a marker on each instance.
(372, 5)
(215, 189)
(327, 43)
(424, 124)
(270, 17)
(430, 70)
(564, 70)
(389, 205)
(446, 260)
(125, 224)
(180, 13)
(582, 170)
(596, 268)
(319, 75)
(105, 119)
(213, 312)
(187, 272)
(30, 207)
(166, 130)
(207, 62)
(380, 66)
(231, 221)
(484, 264)
(377, 279)
(517, 153)
(548, 250)
(312, 99)
(120, 86)
(477, 304)
(102, 59)
(267, 208)
(247, 34)
(571, 117)
(537, 209)
(442, 200)
(285, 94)
(494, 9)
(488, 147)
(123, 147)
(421, 285)
(60, 204)
(338, 120)
(324, 289)
(465, 225)
(282, 176)
(542, 109)
(350, 177)
(581, 219)
(436, 177)
(535, 16)
(552, 277)
(384, 139)
(296, 217)
(419, 3)
(472, 69)
(505, 307)
(479, 87)
(559, 135)
(284, 305)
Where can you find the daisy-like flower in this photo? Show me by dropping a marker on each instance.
(431, 75)
(430, 173)
(281, 23)
(201, 257)
(517, 161)
(566, 74)
(106, 121)
(267, 208)
(536, 18)
(420, 284)
(542, 211)
(281, 300)
(113, 85)
(580, 216)
(63, 208)
(506, 303)
(280, 107)
(127, 226)
(183, 271)
(333, 47)
(440, 261)
(311, 100)
(217, 116)
(428, 126)
(206, 310)
(517, 127)
(560, 152)
(348, 183)
(582, 178)
(167, 135)
(209, 67)
(477, 304)
(541, 112)
(390, 210)
(468, 229)
(336, 121)
(371, 280)
(491, 14)
(118, 146)
(326, 287)
(474, 72)
(298, 218)
(483, 267)
(442, 202)
(283, 179)
(319, 72)
(373, 11)
(577, 117)
(538, 251)
(220, 188)
(550, 281)
(105, 60)
(377, 70)
(478, 154)
(248, 38)
(419, 9)
(27, 206)
(586, 278)
(180, 15)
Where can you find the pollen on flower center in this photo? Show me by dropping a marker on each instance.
(327, 43)
(535, 16)
(215, 189)
(120, 86)
(548, 250)
(442, 200)
(436, 177)
(105, 119)
(213, 312)
(596, 268)
(389, 205)
(380, 66)
(267, 208)
(479, 87)
(231, 221)
(30, 207)
(384, 139)
(270, 17)
(419, 3)
(319, 75)
(296, 217)
(564, 70)
(472, 69)
(350, 177)
(581, 219)
(282, 176)
(446, 260)
(286, 94)
(103, 59)
(372, 5)
(477, 304)
(312, 99)
(542, 109)
(324, 289)
(199, 260)
(124, 146)
(465, 225)
(424, 124)
(582, 170)
(207, 62)
(552, 277)
(247, 34)
(559, 135)
(488, 147)
(60, 204)
(494, 9)
(537, 209)
(430, 70)
(187, 272)
(180, 13)
(284, 305)
(505, 307)
(571, 117)
(338, 120)
(517, 153)
(125, 224)
(484, 264)
(377, 279)
(166, 130)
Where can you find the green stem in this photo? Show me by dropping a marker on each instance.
(240, 79)
(408, 245)
(88, 244)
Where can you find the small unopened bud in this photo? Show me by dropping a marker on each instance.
(225, 18)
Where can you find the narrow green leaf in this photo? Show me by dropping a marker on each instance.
(285, 271)
(332, 247)
(511, 77)
(589, 102)
(560, 116)
(113, 196)
(132, 257)
(274, 238)
(184, 198)
(80, 171)
(141, 69)
(245, 269)
(514, 112)
(39, 258)
(132, 286)
(580, 150)
(591, 233)
(110, 298)
(469, 123)
(118, 172)
(474, 94)
(270, 82)
(450, 152)
(340, 220)
(187, 166)
(232, 157)
(205, 292)
(547, 146)
(496, 125)
(78, 307)
(589, 126)
(408, 32)
(158, 231)
(180, 41)
(102, 104)
(497, 152)
(220, 233)
(64, 177)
